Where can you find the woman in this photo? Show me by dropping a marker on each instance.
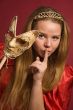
(42, 81)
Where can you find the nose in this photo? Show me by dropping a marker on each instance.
(47, 43)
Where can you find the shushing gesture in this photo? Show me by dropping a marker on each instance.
(38, 68)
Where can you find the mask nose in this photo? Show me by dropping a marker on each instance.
(12, 43)
(47, 43)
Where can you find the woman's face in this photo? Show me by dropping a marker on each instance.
(48, 39)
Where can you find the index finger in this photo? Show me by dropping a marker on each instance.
(45, 56)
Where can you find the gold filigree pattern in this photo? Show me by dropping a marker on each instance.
(15, 45)
(49, 14)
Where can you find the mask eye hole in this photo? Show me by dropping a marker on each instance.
(22, 42)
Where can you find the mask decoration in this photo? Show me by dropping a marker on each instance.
(15, 45)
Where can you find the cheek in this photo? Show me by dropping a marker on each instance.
(38, 44)
(55, 45)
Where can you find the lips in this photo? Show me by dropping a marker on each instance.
(47, 51)
(43, 53)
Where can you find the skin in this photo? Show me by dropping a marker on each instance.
(45, 44)
(49, 38)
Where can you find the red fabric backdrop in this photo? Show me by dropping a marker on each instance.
(23, 8)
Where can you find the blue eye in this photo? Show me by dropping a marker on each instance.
(55, 37)
(41, 35)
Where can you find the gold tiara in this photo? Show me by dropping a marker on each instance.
(49, 14)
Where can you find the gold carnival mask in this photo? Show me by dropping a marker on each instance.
(16, 45)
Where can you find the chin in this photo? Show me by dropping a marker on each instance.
(41, 56)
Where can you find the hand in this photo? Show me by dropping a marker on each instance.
(38, 68)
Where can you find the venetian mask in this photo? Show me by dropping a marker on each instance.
(15, 45)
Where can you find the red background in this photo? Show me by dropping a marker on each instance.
(23, 8)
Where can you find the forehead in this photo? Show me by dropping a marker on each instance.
(48, 26)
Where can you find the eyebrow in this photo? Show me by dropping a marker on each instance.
(52, 35)
(57, 35)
